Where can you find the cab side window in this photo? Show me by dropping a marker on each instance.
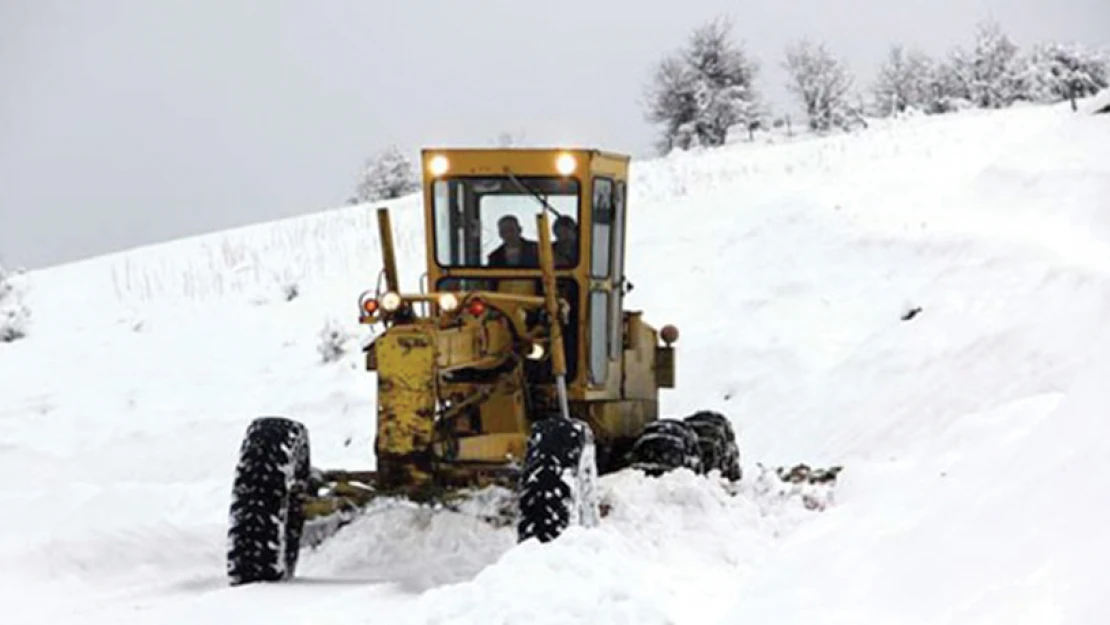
(616, 344)
(601, 245)
(603, 227)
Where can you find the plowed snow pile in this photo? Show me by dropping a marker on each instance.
(923, 303)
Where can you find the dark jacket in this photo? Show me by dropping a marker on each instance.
(529, 256)
(566, 253)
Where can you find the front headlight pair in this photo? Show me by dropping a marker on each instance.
(391, 301)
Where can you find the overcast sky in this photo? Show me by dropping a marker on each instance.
(130, 122)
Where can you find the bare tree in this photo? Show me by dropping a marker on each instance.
(904, 81)
(822, 83)
(704, 90)
(388, 175)
(948, 89)
(673, 103)
(992, 69)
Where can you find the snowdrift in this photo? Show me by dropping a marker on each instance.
(923, 303)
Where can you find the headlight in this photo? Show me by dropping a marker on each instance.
(537, 352)
(566, 164)
(448, 302)
(390, 301)
(438, 165)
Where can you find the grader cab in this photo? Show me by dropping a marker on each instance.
(515, 364)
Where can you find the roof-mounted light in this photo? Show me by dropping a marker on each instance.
(438, 165)
(565, 164)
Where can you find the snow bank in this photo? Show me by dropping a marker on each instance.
(1099, 103)
(997, 520)
(671, 550)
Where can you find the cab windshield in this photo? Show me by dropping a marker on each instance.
(491, 221)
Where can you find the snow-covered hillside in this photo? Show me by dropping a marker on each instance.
(972, 431)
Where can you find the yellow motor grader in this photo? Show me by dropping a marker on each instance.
(516, 364)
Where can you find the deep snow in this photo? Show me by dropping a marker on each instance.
(972, 434)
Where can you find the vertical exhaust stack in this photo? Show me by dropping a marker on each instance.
(389, 258)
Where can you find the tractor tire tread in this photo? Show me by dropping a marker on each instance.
(666, 445)
(547, 503)
(266, 517)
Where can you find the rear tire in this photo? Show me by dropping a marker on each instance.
(267, 514)
(666, 445)
(558, 486)
(717, 441)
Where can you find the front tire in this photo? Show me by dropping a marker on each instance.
(558, 486)
(267, 514)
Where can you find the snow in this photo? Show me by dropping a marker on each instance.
(14, 315)
(995, 521)
(971, 435)
(1100, 102)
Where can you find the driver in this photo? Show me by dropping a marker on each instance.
(515, 250)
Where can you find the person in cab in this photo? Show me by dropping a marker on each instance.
(515, 250)
(566, 242)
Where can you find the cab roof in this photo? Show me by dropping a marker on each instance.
(496, 161)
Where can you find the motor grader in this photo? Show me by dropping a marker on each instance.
(513, 363)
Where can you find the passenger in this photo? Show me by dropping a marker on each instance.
(566, 242)
(515, 250)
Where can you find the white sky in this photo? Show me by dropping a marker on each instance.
(130, 122)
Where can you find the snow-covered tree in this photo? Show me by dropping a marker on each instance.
(1055, 72)
(704, 90)
(6, 287)
(388, 175)
(672, 102)
(905, 81)
(992, 70)
(822, 83)
(947, 88)
(14, 315)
